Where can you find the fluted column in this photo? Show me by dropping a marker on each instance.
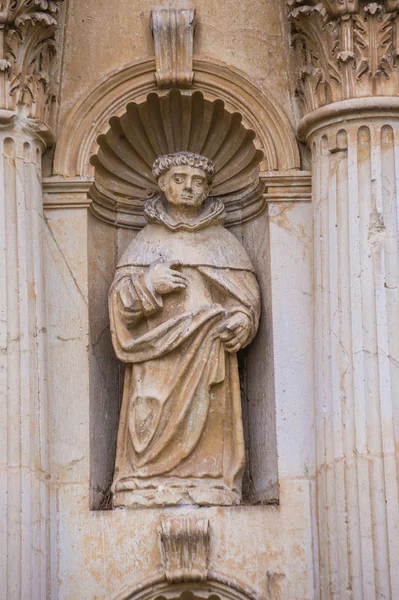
(27, 109)
(348, 81)
(356, 266)
(24, 484)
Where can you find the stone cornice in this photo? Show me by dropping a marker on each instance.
(19, 125)
(343, 50)
(70, 193)
(288, 186)
(355, 109)
(60, 193)
(27, 51)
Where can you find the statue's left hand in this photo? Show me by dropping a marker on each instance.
(234, 331)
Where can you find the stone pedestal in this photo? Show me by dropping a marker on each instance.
(355, 152)
(24, 487)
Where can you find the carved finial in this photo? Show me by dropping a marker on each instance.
(185, 548)
(173, 31)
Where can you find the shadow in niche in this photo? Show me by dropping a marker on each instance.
(106, 372)
(256, 365)
(260, 485)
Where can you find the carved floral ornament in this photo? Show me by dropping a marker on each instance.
(344, 49)
(27, 51)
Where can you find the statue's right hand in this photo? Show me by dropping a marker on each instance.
(165, 277)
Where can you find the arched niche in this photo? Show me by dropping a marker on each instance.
(216, 587)
(77, 140)
(110, 230)
(174, 122)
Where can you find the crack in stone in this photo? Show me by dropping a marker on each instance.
(65, 261)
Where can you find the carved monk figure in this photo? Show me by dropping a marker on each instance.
(183, 301)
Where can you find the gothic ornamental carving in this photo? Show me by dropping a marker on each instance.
(173, 31)
(183, 301)
(27, 50)
(344, 50)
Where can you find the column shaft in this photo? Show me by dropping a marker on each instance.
(356, 192)
(23, 439)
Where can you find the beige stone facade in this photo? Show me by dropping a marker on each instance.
(297, 106)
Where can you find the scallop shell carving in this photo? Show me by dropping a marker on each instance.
(173, 123)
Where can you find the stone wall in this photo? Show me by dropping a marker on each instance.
(320, 381)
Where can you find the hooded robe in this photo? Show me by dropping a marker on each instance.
(180, 437)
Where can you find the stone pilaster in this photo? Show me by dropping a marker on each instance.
(27, 101)
(24, 433)
(346, 58)
(355, 187)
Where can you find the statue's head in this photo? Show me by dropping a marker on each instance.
(185, 178)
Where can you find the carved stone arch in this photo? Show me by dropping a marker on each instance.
(164, 124)
(77, 141)
(216, 587)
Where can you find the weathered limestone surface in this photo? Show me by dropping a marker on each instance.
(24, 462)
(102, 38)
(28, 93)
(120, 549)
(108, 554)
(347, 80)
(183, 301)
(319, 383)
(356, 270)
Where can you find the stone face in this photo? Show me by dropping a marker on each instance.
(184, 300)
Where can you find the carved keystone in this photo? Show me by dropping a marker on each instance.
(173, 31)
(185, 549)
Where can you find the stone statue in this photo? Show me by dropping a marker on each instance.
(183, 301)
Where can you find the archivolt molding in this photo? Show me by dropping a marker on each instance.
(185, 546)
(77, 141)
(216, 587)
